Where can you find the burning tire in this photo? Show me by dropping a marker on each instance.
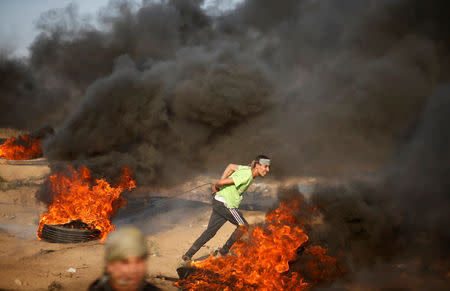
(74, 232)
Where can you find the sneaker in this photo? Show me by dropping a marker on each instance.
(183, 264)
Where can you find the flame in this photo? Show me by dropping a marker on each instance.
(21, 148)
(261, 260)
(76, 197)
(322, 267)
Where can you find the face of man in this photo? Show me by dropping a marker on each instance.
(127, 274)
(262, 170)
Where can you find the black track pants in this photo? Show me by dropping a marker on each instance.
(219, 216)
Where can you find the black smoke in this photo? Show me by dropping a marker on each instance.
(25, 103)
(390, 229)
(160, 120)
(166, 87)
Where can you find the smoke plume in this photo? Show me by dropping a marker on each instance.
(166, 87)
(390, 230)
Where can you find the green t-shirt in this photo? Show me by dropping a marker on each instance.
(232, 194)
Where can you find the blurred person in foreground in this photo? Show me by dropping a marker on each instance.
(125, 262)
(227, 196)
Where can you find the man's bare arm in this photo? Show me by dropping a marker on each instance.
(230, 169)
(222, 182)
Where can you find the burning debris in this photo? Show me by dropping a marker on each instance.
(72, 232)
(25, 147)
(263, 259)
(78, 197)
(21, 148)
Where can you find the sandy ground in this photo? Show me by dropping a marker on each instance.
(171, 225)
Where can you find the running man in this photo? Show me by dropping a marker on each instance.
(227, 197)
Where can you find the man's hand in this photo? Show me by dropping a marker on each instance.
(222, 182)
(214, 189)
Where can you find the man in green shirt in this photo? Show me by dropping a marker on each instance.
(227, 197)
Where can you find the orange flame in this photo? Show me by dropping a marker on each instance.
(323, 267)
(21, 148)
(77, 198)
(260, 262)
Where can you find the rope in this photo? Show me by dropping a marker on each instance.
(164, 201)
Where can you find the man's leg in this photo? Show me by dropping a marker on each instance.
(215, 222)
(235, 217)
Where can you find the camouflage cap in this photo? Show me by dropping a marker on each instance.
(125, 242)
